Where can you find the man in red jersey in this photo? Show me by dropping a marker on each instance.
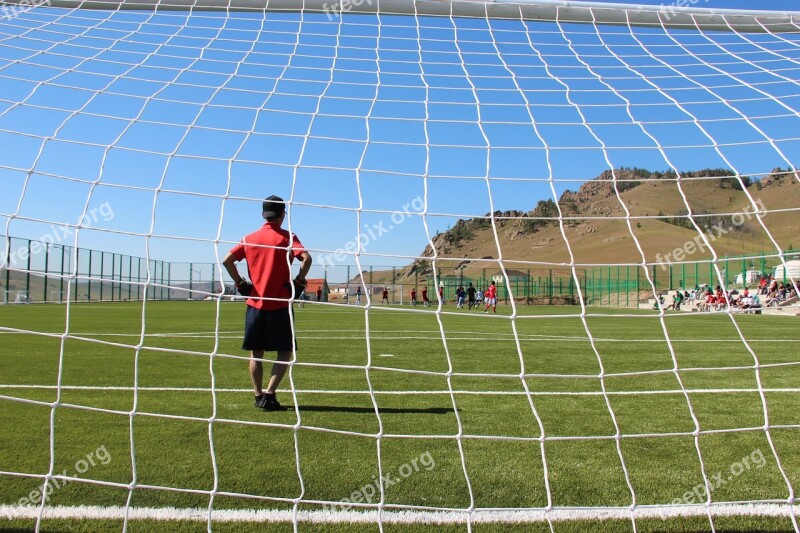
(385, 296)
(491, 298)
(414, 296)
(425, 301)
(268, 327)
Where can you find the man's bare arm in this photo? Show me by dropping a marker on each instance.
(230, 265)
(305, 266)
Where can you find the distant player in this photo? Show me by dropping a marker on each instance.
(358, 295)
(268, 325)
(441, 294)
(425, 301)
(470, 296)
(491, 298)
(478, 298)
(460, 295)
(319, 294)
(414, 296)
(385, 296)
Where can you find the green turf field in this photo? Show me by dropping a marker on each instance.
(427, 394)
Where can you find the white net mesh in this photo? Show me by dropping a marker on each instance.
(154, 134)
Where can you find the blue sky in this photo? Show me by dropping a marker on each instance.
(186, 107)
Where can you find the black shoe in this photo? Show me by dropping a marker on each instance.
(269, 402)
(258, 401)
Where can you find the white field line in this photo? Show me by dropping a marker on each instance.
(397, 393)
(502, 516)
(473, 336)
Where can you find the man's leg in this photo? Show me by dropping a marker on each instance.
(257, 370)
(278, 371)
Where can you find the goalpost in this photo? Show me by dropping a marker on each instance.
(510, 95)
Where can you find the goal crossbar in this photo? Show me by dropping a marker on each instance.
(706, 19)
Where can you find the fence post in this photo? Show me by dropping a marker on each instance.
(572, 288)
(627, 286)
(655, 282)
(600, 284)
(130, 276)
(710, 274)
(119, 282)
(113, 274)
(347, 286)
(61, 284)
(211, 289)
(102, 275)
(138, 278)
(8, 270)
(121, 275)
(28, 273)
(46, 263)
(77, 273)
(528, 288)
(683, 276)
(89, 278)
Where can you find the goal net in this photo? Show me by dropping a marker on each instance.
(613, 192)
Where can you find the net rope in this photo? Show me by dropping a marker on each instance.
(67, 25)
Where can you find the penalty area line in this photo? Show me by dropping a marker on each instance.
(509, 516)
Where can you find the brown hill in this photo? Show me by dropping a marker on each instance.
(597, 232)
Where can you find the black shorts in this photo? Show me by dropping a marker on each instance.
(270, 331)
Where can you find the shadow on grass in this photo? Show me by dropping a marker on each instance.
(382, 410)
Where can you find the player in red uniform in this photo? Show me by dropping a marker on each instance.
(425, 301)
(385, 296)
(491, 298)
(268, 324)
(414, 296)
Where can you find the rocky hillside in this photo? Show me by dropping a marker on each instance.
(597, 232)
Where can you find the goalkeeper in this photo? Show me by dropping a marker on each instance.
(267, 323)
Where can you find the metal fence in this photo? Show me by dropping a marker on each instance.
(37, 271)
(44, 272)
